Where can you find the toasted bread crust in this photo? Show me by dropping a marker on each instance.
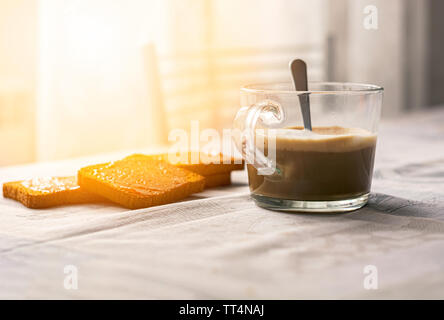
(205, 166)
(217, 180)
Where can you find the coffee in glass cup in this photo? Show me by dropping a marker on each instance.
(328, 169)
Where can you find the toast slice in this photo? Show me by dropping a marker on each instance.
(140, 182)
(39, 193)
(200, 162)
(218, 180)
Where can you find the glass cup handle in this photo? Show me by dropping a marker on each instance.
(264, 116)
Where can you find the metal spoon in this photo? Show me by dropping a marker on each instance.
(299, 74)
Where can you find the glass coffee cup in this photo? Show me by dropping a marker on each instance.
(327, 169)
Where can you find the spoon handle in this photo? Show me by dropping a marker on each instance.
(299, 74)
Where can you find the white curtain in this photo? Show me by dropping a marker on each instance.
(92, 92)
(395, 55)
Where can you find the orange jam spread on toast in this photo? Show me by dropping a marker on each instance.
(140, 182)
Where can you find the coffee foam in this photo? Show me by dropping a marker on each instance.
(322, 139)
